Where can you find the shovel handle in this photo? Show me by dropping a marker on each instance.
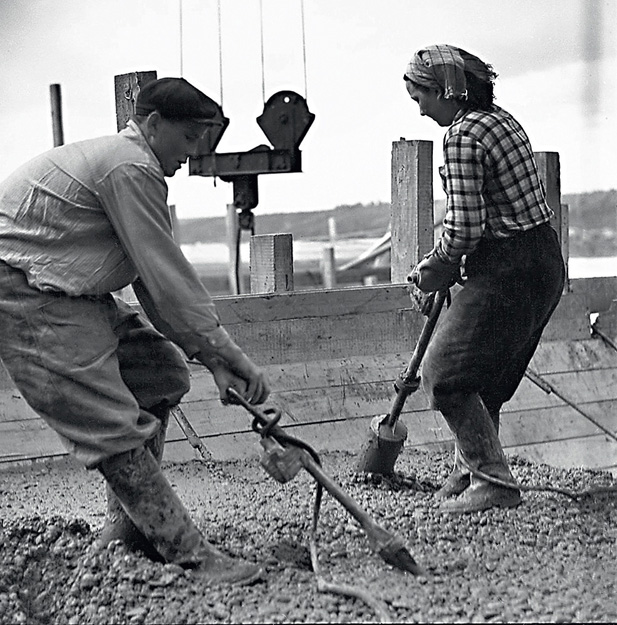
(411, 372)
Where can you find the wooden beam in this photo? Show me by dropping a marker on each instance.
(271, 263)
(411, 205)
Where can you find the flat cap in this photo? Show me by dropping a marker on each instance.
(177, 99)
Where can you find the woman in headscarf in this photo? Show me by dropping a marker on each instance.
(496, 230)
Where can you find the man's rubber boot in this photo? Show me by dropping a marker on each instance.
(153, 506)
(478, 443)
(457, 481)
(118, 526)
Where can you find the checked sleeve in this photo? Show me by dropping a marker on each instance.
(464, 176)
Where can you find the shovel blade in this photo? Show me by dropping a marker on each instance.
(382, 447)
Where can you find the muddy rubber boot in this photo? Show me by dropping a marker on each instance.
(478, 442)
(118, 526)
(153, 506)
(457, 481)
(460, 478)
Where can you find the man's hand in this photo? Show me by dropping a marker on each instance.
(231, 367)
(434, 274)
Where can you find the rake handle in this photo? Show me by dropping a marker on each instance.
(411, 371)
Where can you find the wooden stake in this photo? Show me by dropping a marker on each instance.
(412, 205)
(271, 263)
(549, 170)
(56, 114)
(328, 269)
(127, 86)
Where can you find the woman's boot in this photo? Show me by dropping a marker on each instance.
(153, 506)
(478, 443)
(459, 478)
(457, 481)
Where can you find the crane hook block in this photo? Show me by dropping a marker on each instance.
(285, 120)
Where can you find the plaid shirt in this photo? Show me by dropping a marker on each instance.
(491, 181)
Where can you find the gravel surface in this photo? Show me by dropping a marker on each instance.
(551, 559)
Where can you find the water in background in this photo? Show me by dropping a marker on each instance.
(349, 249)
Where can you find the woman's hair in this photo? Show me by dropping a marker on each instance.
(480, 93)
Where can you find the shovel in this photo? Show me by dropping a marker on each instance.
(387, 434)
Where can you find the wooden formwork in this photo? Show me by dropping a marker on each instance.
(332, 356)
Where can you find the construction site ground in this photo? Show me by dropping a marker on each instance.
(551, 559)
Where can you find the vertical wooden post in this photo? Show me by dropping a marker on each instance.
(412, 205)
(232, 228)
(328, 267)
(127, 86)
(55, 95)
(550, 174)
(565, 239)
(271, 263)
(332, 230)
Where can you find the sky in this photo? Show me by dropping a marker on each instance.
(556, 60)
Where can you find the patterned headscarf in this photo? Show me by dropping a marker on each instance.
(443, 67)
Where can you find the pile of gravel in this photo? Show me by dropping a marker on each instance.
(551, 559)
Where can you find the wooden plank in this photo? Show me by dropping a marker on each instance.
(570, 320)
(598, 293)
(32, 438)
(323, 437)
(564, 356)
(347, 404)
(593, 452)
(558, 423)
(302, 340)
(5, 379)
(607, 322)
(13, 407)
(362, 386)
(311, 304)
(310, 375)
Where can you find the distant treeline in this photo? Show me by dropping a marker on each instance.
(593, 223)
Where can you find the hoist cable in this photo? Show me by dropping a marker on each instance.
(220, 33)
(262, 45)
(263, 65)
(304, 49)
(181, 42)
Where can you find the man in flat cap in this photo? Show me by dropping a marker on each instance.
(78, 223)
